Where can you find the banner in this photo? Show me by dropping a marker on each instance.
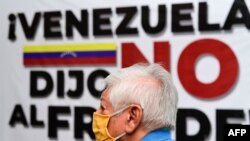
(55, 55)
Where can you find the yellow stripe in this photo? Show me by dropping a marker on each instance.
(69, 47)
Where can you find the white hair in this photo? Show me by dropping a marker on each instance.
(151, 87)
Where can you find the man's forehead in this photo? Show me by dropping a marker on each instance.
(105, 100)
(104, 94)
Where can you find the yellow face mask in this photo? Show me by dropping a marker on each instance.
(100, 124)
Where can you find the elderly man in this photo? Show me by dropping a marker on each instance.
(139, 104)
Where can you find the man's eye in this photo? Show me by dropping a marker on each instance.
(102, 108)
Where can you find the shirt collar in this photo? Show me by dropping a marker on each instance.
(159, 134)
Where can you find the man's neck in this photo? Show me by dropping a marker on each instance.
(136, 136)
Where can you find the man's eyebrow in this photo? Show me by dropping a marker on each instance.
(102, 98)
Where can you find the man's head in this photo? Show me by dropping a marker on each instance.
(139, 99)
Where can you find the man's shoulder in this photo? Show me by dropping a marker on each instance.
(162, 134)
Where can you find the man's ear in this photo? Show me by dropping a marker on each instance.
(134, 118)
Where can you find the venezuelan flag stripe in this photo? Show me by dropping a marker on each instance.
(70, 54)
(70, 61)
(69, 47)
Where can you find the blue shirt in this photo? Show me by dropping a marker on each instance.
(158, 135)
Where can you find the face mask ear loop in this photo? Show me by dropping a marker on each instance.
(118, 137)
(121, 110)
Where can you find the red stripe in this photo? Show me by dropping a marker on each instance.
(70, 61)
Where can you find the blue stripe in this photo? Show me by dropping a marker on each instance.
(70, 54)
